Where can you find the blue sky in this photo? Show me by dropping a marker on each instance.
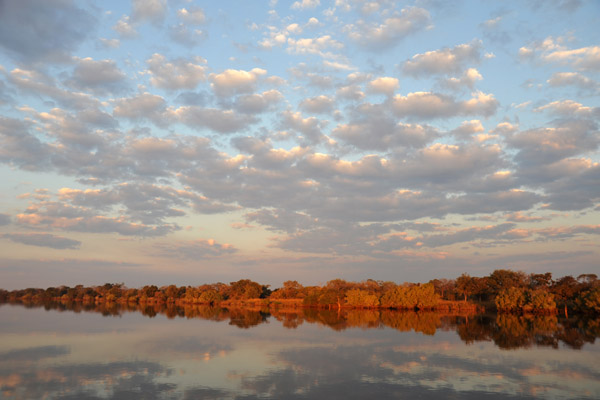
(185, 142)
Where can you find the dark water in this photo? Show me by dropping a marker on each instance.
(201, 353)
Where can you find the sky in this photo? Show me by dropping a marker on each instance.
(182, 142)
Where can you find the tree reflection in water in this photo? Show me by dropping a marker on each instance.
(507, 331)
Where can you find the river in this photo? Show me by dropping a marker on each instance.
(61, 352)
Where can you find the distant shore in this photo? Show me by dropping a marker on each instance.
(503, 291)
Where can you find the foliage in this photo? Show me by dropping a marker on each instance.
(509, 290)
(411, 297)
(361, 298)
(514, 299)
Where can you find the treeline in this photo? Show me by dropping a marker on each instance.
(503, 290)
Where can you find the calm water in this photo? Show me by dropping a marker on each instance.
(220, 354)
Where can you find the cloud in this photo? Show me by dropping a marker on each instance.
(573, 79)
(110, 43)
(428, 105)
(148, 10)
(145, 209)
(95, 224)
(547, 145)
(147, 203)
(43, 240)
(445, 61)
(322, 46)
(38, 83)
(193, 250)
(305, 4)
(309, 127)
(184, 35)
(572, 184)
(553, 50)
(124, 28)
(220, 121)
(232, 81)
(21, 148)
(193, 15)
(100, 77)
(33, 31)
(143, 106)
(258, 103)
(350, 92)
(569, 108)
(74, 130)
(468, 128)
(467, 80)
(176, 75)
(473, 234)
(383, 134)
(282, 220)
(5, 219)
(317, 105)
(384, 85)
(375, 36)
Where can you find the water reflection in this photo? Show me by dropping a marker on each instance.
(213, 353)
(507, 331)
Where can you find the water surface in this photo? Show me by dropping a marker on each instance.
(202, 353)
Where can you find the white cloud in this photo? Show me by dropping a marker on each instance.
(467, 80)
(110, 43)
(176, 74)
(391, 31)
(445, 61)
(232, 81)
(258, 103)
(193, 15)
(319, 46)
(468, 128)
(385, 85)
(431, 105)
(309, 127)
(143, 106)
(569, 108)
(573, 79)
(124, 28)
(148, 10)
(554, 50)
(305, 4)
(316, 105)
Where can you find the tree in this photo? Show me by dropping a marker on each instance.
(539, 301)
(540, 281)
(466, 285)
(510, 299)
(590, 300)
(564, 290)
(337, 288)
(503, 278)
(245, 289)
(361, 298)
